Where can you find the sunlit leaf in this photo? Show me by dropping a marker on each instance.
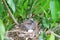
(11, 4)
(52, 37)
(25, 4)
(54, 8)
(2, 30)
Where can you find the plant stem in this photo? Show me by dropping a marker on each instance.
(10, 13)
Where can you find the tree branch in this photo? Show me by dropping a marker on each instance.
(10, 13)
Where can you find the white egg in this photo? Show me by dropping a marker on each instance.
(30, 30)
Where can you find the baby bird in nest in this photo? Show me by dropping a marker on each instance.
(28, 29)
(28, 25)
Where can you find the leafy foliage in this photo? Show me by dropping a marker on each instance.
(46, 12)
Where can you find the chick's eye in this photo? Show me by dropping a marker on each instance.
(32, 21)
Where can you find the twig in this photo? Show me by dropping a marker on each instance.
(58, 36)
(57, 27)
(49, 31)
(10, 13)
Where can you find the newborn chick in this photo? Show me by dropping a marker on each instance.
(28, 25)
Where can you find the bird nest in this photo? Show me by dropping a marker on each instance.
(21, 32)
(21, 35)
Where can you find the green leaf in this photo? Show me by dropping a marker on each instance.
(22, 13)
(37, 3)
(1, 7)
(33, 6)
(40, 6)
(2, 30)
(9, 26)
(54, 7)
(52, 37)
(45, 22)
(42, 36)
(25, 4)
(30, 1)
(45, 4)
(11, 4)
(37, 11)
(54, 10)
